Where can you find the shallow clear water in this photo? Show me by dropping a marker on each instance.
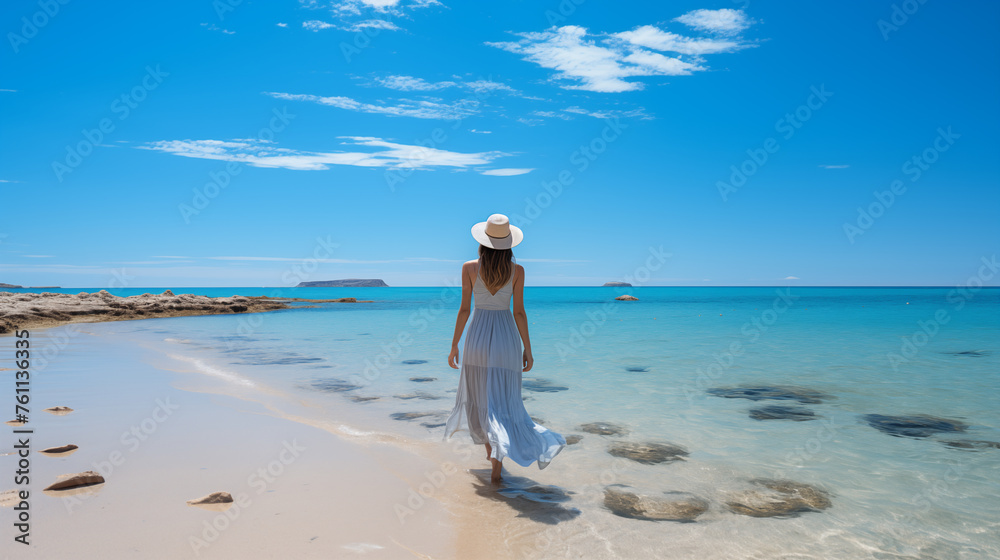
(647, 365)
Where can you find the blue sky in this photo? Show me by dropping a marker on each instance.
(214, 144)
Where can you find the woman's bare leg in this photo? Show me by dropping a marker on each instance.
(489, 451)
(495, 475)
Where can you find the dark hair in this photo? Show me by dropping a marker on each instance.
(496, 267)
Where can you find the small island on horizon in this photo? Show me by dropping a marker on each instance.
(346, 283)
(617, 285)
(16, 287)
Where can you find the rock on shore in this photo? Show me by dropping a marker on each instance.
(627, 298)
(48, 309)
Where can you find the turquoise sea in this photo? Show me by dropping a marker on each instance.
(661, 369)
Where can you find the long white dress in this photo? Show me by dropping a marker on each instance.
(488, 403)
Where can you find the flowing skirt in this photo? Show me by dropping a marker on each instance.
(488, 403)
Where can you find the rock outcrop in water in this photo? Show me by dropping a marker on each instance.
(627, 297)
(776, 412)
(12, 286)
(771, 392)
(672, 506)
(604, 429)
(347, 283)
(48, 309)
(649, 453)
(916, 426)
(778, 498)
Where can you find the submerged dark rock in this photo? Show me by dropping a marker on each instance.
(414, 362)
(970, 353)
(672, 506)
(573, 439)
(971, 444)
(649, 453)
(636, 369)
(916, 426)
(333, 385)
(432, 424)
(412, 415)
(604, 429)
(778, 498)
(423, 379)
(362, 399)
(539, 385)
(419, 395)
(771, 392)
(775, 412)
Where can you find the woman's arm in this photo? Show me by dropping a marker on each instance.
(463, 313)
(521, 317)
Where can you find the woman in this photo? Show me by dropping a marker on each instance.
(489, 402)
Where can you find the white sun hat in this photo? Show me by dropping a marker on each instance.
(497, 233)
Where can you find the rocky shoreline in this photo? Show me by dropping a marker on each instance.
(48, 309)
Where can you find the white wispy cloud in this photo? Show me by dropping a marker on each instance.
(282, 24)
(654, 38)
(481, 131)
(834, 166)
(316, 25)
(410, 83)
(370, 24)
(610, 114)
(8, 181)
(420, 109)
(9, 90)
(791, 278)
(613, 62)
(382, 153)
(395, 7)
(724, 22)
(213, 27)
(332, 261)
(507, 172)
(358, 15)
(581, 63)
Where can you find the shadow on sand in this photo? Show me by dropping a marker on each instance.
(530, 499)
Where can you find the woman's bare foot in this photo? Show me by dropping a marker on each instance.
(497, 467)
(489, 451)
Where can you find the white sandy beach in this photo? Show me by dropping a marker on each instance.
(299, 491)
